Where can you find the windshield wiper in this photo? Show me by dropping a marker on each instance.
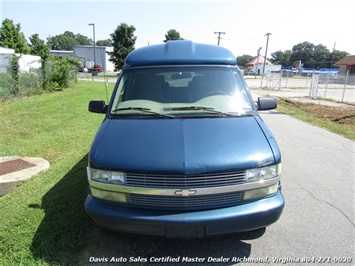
(203, 108)
(144, 110)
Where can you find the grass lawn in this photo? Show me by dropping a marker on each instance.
(43, 222)
(339, 120)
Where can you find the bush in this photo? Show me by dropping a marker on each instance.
(5, 80)
(30, 83)
(5, 86)
(59, 73)
(55, 74)
(15, 73)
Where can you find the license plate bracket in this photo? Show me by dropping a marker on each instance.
(185, 231)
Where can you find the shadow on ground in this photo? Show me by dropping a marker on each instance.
(116, 247)
(62, 232)
(75, 241)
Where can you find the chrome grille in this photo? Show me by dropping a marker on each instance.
(185, 181)
(183, 203)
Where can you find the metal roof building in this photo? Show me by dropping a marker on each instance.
(99, 54)
(346, 65)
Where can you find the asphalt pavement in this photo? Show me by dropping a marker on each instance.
(318, 186)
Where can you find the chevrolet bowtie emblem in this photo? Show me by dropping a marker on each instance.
(185, 192)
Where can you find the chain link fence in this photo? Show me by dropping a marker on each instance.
(317, 85)
(331, 86)
(53, 75)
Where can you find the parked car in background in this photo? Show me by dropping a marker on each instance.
(182, 151)
(96, 68)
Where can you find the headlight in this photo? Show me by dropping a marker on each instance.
(105, 176)
(257, 174)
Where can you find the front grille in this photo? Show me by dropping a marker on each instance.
(185, 181)
(186, 203)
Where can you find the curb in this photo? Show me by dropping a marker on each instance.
(15, 169)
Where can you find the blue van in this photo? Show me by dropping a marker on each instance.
(182, 151)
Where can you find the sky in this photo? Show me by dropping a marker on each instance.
(244, 22)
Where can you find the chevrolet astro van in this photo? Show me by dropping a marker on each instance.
(182, 151)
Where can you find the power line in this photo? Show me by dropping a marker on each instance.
(272, 26)
(258, 16)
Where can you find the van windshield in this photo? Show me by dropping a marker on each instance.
(181, 91)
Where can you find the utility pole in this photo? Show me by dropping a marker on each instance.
(219, 35)
(257, 61)
(331, 63)
(267, 44)
(93, 29)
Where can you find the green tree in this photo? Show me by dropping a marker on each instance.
(12, 37)
(321, 56)
(60, 72)
(67, 41)
(82, 40)
(282, 58)
(304, 52)
(62, 42)
(311, 55)
(277, 57)
(39, 47)
(15, 74)
(106, 42)
(123, 41)
(336, 56)
(172, 35)
(243, 60)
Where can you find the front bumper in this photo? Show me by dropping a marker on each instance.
(178, 224)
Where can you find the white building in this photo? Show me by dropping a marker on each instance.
(26, 62)
(61, 53)
(86, 53)
(256, 65)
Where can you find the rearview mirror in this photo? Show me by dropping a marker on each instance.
(97, 106)
(181, 75)
(266, 103)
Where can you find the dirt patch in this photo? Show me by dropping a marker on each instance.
(337, 118)
(340, 115)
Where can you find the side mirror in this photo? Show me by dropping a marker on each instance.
(97, 107)
(266, 103)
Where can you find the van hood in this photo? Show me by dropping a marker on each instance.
(182, 146)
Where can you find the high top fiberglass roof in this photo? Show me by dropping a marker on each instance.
(180, 53)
